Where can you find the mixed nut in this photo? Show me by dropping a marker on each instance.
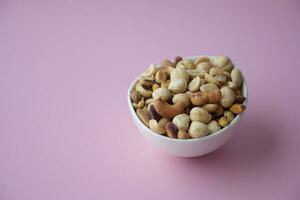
(188, 98)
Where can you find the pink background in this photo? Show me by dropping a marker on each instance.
(65, 129)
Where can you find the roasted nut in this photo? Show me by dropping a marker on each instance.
(201, 98)
(228, 67)
(147, 84)
(201, 59)
(239, 99)
(189, 93)
(195, 72)
(168, 111)
(218, 71)
(229, 116)
(228, 97)
(237, 79)
(200, 114)
(139, 105)
(210, 79)
(143, 115)
(185, 64)
(219, 111)
(209, 87)
(198, 129)
(219, 61)
(182, 121)
(177, 59)
(179, 74)
(153, 114)
(150, 71)
(162, 122)
(223, 122)
(237, 108)
(143, 91)
(161, 76)
(183, 135)
(165, 84)
(167, 62)
(155, 86)
(210, 107)
(171, 129)
(153, 125)
(221, 78)
(203, 66)
(162, 93)
(149, 101)
(213, 126)
(178, 86)
(135, 96)
(194, 84)
(183, 97)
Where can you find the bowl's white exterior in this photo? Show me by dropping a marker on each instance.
(191, 147)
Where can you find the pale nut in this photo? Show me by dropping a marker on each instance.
(162, 122)
(198, 129)
(182, 121)
(213, 126)
(149, 101)
(183, 135)
(228, 97)
(202, 98)
(218, 71)
(185, 64)
(210, 107)
(200, 114)
(237, 108)
(144, 92)
(165, 84)
(155, 86)
(201, 59)
(189, 93)
(210, 79)
(162, 93)
(219, 111)
(221, 78)
(150, 71)
(229, 116)
(178, 86)
(167, 62)
(223, 122)
(147, 84)
(219, 61)
(139, 105)
(228, 67)
(183, 97)
(153, 125)
(236, 79)
(203, 66)
(168, 111)
(161, 76)
(143, 115)
(195, 72)
(145, 108)
(171, 130)
(209, 87)
(194, 85)
(179, 74)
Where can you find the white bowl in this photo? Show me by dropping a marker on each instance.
(187, 147)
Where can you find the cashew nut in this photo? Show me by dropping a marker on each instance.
(161, 76)
(153, 125)
(150, 71)
(182, 121)
(200, 114)
(185, 64)
(209, 87)
(165, 84)
(143, 115)
(143, 91)
(179, 73)
(166, 110)
(210, 79)
(162, 93)
(213, 126)
(194, 84)
(183, 135)
(210, 107)
(228, 67)
(201, 98)
(203, 66)
(183, 97)
(229, 116)
(228, 97)
(237, 79)
(198, 129)
(201, 59)
(178, 86)
(218, 71)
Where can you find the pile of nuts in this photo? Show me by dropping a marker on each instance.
(189, 98)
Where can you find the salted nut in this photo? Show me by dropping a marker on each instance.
(203, 66)
(201, 98)
(200, 114)
(210, 79)
(183, 97)
(223, 122)
(237, 108)
(229, 116)
(213, 126)
(161, 76)
(162, 93)
(143, 115)
(236, 77)
(185, 64)
(183, 135)
(209, 87)
(153, 125)
(195, 72)
(178, 86)
(220, 61)
(179, 73)
(182, 121)
(171, 130)
(198, 129)
(228, 97)
(167, 62)
(194, 85)
(144, 92)
(166, 110)
(150, 71)
(210, 107)
(201, 59)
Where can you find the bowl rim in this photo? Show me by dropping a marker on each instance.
(235, 121)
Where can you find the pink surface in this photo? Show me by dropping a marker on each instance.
(65, 129)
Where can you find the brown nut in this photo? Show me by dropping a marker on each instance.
(239, 99)
(171, 130)
(183, 135)
(201, 98)
(177, 59)
(237, 108)
(219, 111)
(229, 116)
(153, 114)
(161, 76)
(153, 125)
(201, 59)
(223, 122)
(135, 96)
(167, 62)
(166, 110)
(143, 115)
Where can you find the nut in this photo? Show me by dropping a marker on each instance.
(162, 122)
(140, 104)
(182, 121)
(179, 74)
(195, 72)
(143, 115)
(213, 126)
(201, 98)
(177, 59)
(198, 129)
(162, 93)
(147, 84)
(218, 71)
(153, 125)
(189, 93)
(219, 111)
(183, 97)
(144, 92)
(237, 108)
(228, 67)
(161, 76)
(201, 59)
(167, 62)
(223, 122)
(165, 84)
(210, 107)
(166, 110)
(221, 78)
(239, 99)
(219, 61)
(228, 97)
(209, 87)
(153, 114)
(178, 86)
(183, 135)
(135, 96)
(149, 101)
(200, 114)
(229, 116)
(185, 64)
(203, 66)
(150, 71)
(237, 79)
(194, 84)
(155, 86)
(210, 79)
(171, 129)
